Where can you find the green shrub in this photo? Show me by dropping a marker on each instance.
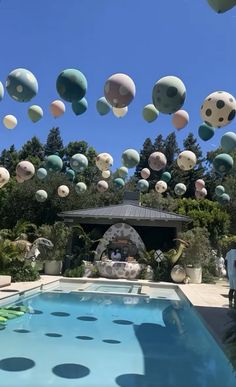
(227, 243)
(21, 272)
(76, 272)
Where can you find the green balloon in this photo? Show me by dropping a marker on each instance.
(79, 107)
(143, 185)
(54, 163)
(228, 142)
(41, 173)
(119, 183)
(80, 188)
(70, 174)
(1, 91)
(103, 107)
(223, 163)
(219, 190)
(221, 6)
(35, 113)
(166, 176)
(71, 85)
(41, 196)
(223, 199)
(168, 94)
(150, 113)
(130, 158)
(123, 172)
(206, 132)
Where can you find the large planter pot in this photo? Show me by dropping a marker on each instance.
(110, 269)
(52, 267)
(195, 274)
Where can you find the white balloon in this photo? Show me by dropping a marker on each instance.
(63, 191)
(106, 174)
(120, 112)
(10, 121)
(4, 176)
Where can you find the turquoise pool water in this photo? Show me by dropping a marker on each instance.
(74, 339)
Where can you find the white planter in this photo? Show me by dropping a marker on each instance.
(195, 274)
(52, 267)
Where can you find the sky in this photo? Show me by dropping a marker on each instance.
(146, 39)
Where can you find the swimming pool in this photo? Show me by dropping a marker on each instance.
(72, 339)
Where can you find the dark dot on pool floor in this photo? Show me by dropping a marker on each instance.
(86, 318)
(84, 337)
(21, 330)
(109, 341)
(60, 314)
(53, 334)
(36, 311)
(71, 371)
(14, 364)
(123, 322)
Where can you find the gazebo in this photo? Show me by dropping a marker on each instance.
(129, 226)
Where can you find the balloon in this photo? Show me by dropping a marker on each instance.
(150, 113)
(41, 173)
(223, 199)
(10, 121)
(119, 183)
(21, 85)
(180, 189)
(1, 91)
(130, 158)
(4, 176)
(54, 163)
(121, 112)
(206, 132)
(166, 176)
(123, 172)
(80, 187)
(57, 108)
(79, 107)
(186, 160)
(145, 173)
(63, 191)
(41, 196)
(19, 179)
(71, 85)
(102, 186)
(106, 174)
(25, 170)
(157, 161)
(228, 142)
(199, 184)
(103, 107)
(169, 94)
(143, 185)
(70, 174)
(219, 190)
(119, 90)
(79, 162)
(160, 186)
(223, 163)
(221, 6)
(180, 119)
(218, 109)
(200, 194)
(35, 113)
(178, 273)
(104, 161)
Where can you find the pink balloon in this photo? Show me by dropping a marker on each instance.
(201, 194)
(180, 119)
(199, 184)
(145, 173)
(57, 108)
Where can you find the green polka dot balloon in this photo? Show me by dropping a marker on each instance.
(103, 107)
(206, 132)
(221, 6)
(41, 196)
(22, 85)
(119, 183)
(223, 163)
(53, 163)
(143, 185)
(71, 85)
(150, 113)
(228, 142)
(219, 190)
(35, 113)
(80, 188)
(169, 94)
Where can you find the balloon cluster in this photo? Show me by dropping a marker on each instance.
(222, 197)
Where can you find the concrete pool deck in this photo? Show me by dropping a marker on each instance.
(210, 300)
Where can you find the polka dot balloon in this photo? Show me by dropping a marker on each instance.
(169, 94)
(63, 191)
(41, 196)
(157, 161)
(186, 160)
(71, 85)
(119, 90)
(180, 189)
(21, 85)
(142, 185)
(80, 188)
(145, 173)
(104, 161)
(161, 186)
(102, 186)
(218, 109)
(79, 162)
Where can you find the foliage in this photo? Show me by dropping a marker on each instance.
(22, 271)
(54, 144)
(22, 230)
(161, 270)
(58, 234)
(227, 243)
(77, 271)
(84, 250)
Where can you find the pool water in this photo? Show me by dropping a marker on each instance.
(88, 340)
(133, 289)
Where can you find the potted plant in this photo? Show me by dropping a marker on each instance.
(197, 255)
(58, 234)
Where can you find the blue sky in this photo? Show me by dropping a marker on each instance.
(147, 39)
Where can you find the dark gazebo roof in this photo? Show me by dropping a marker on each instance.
(129, 212)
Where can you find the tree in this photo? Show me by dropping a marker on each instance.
(54, 142)
(9, 159)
